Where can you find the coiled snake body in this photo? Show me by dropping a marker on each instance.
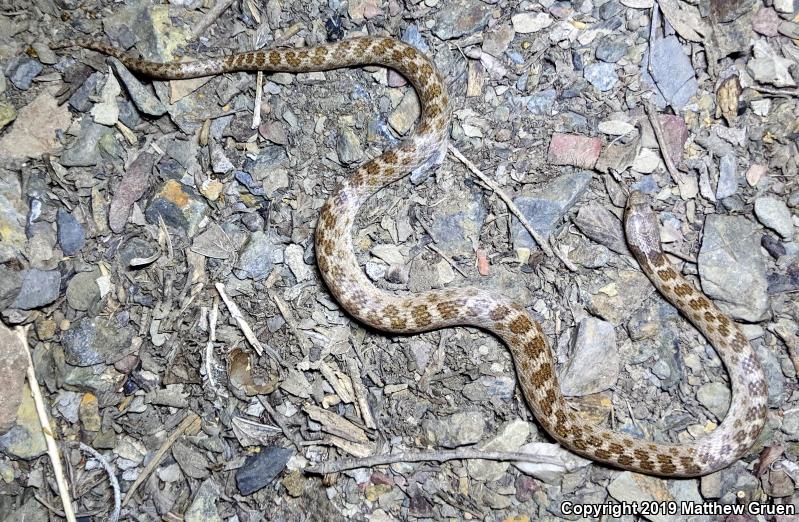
(475, 307)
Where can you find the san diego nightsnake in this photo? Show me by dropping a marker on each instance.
(488, 310)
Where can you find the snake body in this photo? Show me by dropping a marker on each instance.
(488, 310)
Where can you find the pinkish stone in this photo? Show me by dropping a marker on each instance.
(675, 134)
(395, 79)
(766, 22)
(573, 149)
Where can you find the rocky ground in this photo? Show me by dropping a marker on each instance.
(156, 241)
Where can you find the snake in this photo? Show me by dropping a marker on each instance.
(424, 148)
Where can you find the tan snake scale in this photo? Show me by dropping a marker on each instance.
(492, 311)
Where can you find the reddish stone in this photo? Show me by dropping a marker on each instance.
(675, 133)
(525, 487)
(573, 149)
(381, 478)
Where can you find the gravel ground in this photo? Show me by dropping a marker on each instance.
(156, 246)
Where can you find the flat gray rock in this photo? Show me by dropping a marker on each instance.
(147, 102)
(728, 176)
(39, 288)
(594, 364)
(545, 207)
(774, 214)
(461, 17)
(85, 150)
(672, 72)
(732, 269)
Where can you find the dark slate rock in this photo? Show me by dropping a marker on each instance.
(39, 288)
(672, 71)
(542, 103)
(610, 50)
(80, 98)
(146, 101)
(256, 189)
(82, 290)
(25, 72)
(136, 247)
(610, 9)
(128, 114)
(772, 246)
(258, 256)
(71, 236)
(96, 340)
(261, 469)
(10, 285)
(85, 150)
(787, 282)
(269, 158)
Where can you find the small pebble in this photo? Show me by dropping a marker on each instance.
(601, 75)
(774, 214)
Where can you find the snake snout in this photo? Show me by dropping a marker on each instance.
(641, 225)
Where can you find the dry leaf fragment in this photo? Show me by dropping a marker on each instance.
(727, 96)
(768, 456)
(214, 243)
(241, 378)
(251, 433)
(335, 424)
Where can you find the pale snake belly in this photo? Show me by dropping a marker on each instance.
(488, 310)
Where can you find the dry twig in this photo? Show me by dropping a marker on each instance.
(112, 479)
(324, 468)
(285, 311)
(187, 422)
(209, 18)
(504, 197)
(44, 420)
(243, 324)
(360, 393)
(448, 259)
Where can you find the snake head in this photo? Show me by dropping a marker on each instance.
(641, 226)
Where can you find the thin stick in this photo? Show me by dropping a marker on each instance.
(360, 392)
(285, 311)
(775, 92)
(210, 361)
(324, 468)
(504, 197)
(111, 478)
(256, 112)
(44, 420)
(209, 18)
(278, 419)
(187, 422)
(446, 258)
(242, 322)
